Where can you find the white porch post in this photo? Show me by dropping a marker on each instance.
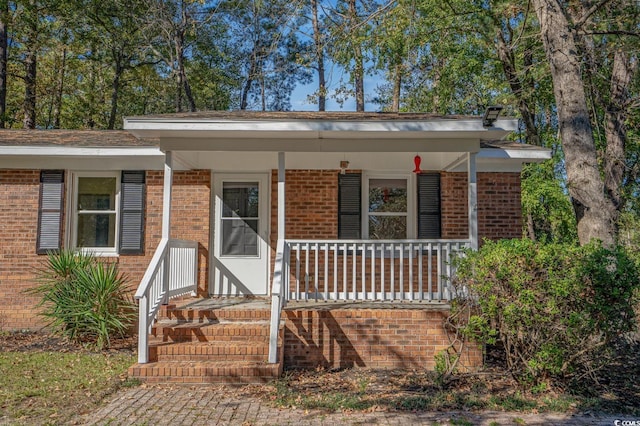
(166, 220)
(281, 198)
(166, 195)
(473, 199)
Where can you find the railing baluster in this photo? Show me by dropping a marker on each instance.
(306, 271)
(363, 267)
(410, 271)
(439, 252)
(354, 264)
(345, 285)
(401, 280)
(392, 265)
(297, 271)
(420, 267)
(326, 272)
(430, 270)
(382, 278)
(374, 287)
(335, 271)
(315, 269)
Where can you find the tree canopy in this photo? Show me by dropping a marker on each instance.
(568, 70)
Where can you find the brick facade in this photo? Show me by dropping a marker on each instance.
(377, 338)
(312, 197)
(19, 191)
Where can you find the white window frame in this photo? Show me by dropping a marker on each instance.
(411, 201)
(72, 208)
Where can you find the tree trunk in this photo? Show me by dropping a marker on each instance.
(507, 59)
(115, 91)
(246, 88)
(615, 131)
(317, 39)
(58, 99)
(180, 55)
(358, 69)
(397, 86)
(596, 215)
(30, 64)
(4, 16)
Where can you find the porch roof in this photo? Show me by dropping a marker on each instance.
(231, 141)
(317, 131)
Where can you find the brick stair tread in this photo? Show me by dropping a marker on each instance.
(231, 331)
(206, 372)
(211, 350)
(216, 314)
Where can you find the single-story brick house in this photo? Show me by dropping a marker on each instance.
(333, 229)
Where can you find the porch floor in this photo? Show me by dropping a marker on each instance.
(264, 303)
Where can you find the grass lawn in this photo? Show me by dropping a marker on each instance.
(51, 387)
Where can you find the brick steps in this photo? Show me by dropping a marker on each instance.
(203, 332)
(221, 372)
(213, 314)
(225, 346)
(209, 351)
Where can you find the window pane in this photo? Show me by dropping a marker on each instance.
(240, 199)
(96, 193)
(387, 227)
(387, 195)
(97, 230)
(239, 237)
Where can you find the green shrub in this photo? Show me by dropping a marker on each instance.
(555, 308)
(84, 299)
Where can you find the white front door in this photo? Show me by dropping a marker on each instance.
(240, 248)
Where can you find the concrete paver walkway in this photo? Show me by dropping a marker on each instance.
(218, 405)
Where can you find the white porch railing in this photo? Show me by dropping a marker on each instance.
(172, 272)
(365, 270)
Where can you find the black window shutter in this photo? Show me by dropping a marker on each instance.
(50, 211)
(429, 206)
(349, 206)
(132, 202)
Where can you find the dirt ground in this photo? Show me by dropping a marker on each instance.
(614, 390)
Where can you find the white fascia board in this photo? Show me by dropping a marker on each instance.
(66, 151)
(320, 145)
(525, 155)
(314, 129)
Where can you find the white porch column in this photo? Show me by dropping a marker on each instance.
(281, 197)
(166, 220)
(166, 195)
(473, 199)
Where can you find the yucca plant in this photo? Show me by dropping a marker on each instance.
(84, 299)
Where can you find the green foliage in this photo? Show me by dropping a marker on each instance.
(555, 307)
(84, 299)
(546, 206)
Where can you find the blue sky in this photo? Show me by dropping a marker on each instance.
(299, 100)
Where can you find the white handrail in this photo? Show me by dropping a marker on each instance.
(172, 272)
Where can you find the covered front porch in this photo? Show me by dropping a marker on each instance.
(264, 242)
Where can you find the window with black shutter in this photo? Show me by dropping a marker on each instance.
(349, 206)
(429, 206)
(132, 204)
(50, 211)
(387, 207)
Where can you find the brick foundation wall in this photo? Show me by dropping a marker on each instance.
(19, 192)
(378, 338)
